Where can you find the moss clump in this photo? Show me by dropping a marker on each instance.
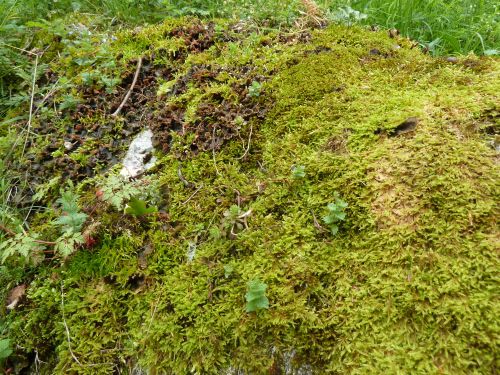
(407, 285)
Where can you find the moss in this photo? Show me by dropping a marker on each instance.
(406, 286)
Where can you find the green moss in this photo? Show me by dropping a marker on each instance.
(406, 286)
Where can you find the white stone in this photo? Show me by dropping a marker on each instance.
(139, 149)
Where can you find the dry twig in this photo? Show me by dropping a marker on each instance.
(66, 327)
(248, 144)
(129, 92)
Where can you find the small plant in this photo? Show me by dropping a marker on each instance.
(348, 16)
(70, 223)
(22, 244)
(116, 191)
(255, 89)
(336, 213)
(235, 220)
(138, 207)
(256, 296)
(298, 172)
(71, 219)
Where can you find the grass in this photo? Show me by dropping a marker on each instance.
(445, 27)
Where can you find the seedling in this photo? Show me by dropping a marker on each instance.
(336, 213)
(298, 172)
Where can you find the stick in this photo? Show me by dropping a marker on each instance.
(183, 179)
(213, 152)
(66, 326)
(192, 195)
(248, 144)
(129, 92)
(28, 130)
(317, 224)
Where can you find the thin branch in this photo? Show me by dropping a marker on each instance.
(30, 117)
(248, 144)
(192, 195)
(213, 151)
(129, 92)
(7, 230)
(317, 224)
(66, 327)
(183, 179)
(13, 234)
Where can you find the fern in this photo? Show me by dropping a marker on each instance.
(116, 191)
(71, 219)
(21, 244)
(68, 242)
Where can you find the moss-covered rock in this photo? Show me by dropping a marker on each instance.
(407, 285)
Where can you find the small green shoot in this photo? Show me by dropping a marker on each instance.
(255, 89)
(71, 219)
(298, 172)
(138, 207)
(336, 213)
(228, 270)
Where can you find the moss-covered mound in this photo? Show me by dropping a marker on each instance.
(256, 133)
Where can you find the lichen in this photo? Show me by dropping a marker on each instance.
(407, 285)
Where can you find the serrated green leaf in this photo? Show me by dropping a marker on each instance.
(138, 207)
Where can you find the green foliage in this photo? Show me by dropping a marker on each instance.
(298, 172)
(255, 89)
(70, 223)
(71, 219)
(5, 350)
(440, 26)
(68, 242)
(117, 191)
(336, 213)
(411, 281)
(22, 244)
(138, 207)
(256, 296)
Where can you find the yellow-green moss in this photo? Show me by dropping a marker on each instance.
(408, 285)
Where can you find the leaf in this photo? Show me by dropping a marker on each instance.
(71, 221)
(256, 296)
(22, 244)
(138, 207)
(67, 243)
(5, 350)
(228, 270)
(299, 171)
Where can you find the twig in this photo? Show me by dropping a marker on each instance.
(129, 92)
(317, 224)
(30, 117)
(154, 311)
(248, 144)
(192, 195)
(213, 151)
(183, 179)
(66, 327)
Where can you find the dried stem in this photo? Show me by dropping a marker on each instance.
(129, 92)
(66, 327)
